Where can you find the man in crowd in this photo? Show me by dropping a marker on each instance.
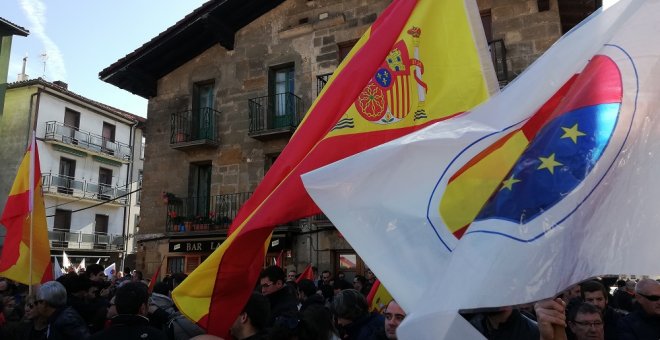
(394, 315)
(644, 321)
(624, 295)
(505, 323)
(252, 321)
(273, 287)
(63, 321)
(325, 285)
(352, 315)
(594, 292)
(291, 276)
(307, 295)
(131, 322)
(585, 322)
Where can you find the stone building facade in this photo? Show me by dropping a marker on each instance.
(212, 76)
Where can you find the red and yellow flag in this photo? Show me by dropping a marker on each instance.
(308, 274)
(418, 64)
(378, 297)
(24, 217)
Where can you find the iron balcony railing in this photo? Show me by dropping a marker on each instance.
(321, 81)
(60, 132)
(194, 125)
(284, 110)
(498, 55)
(79, 240)
(204, 213)
(69, 186)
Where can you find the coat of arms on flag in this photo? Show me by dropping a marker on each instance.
(389, 96)
(533, 168)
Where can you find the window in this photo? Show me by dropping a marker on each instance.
(199, 189)
(349, 262)
(142, 146)
(282, 100)
(175, 264)
(71, 125)
(202, 115)
(101, 224)
(344, 48)
(61, 227)
(105, 183)
(270, 160)
(108, 144)
(139, 186)
(66, 176)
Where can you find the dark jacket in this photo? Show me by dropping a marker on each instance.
(366, 328)
(610, 322)
(130, 327)
(517, 327)
(622, 300)
(639, 326)
(66, 324)
(282, 302)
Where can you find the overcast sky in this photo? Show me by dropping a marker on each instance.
(81, 37)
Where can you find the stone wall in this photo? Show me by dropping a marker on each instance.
(527, 33)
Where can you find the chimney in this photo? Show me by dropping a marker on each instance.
(61, 84)
(22, 76)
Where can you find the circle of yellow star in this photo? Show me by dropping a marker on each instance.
(573, 133)
(549, 163)
(508, 184)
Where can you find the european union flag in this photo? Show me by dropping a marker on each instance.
(556, 162)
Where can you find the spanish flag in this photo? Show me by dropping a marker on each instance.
(418, 64)
(24, 217)
(378, 297)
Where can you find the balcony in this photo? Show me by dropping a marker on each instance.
(65, 239)
(204, 214)
(80, 142)
(194, 129)
(274, 116)
(61, 185)
(498, 55)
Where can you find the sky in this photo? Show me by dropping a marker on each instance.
(82, 37)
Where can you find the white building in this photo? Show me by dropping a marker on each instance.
(91, 158)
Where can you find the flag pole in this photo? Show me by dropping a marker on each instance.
(31, 202)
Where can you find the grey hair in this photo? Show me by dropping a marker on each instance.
(53, 293)
(350, 304)
(644, 285)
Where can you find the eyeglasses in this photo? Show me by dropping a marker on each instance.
(650, 297)
(589, 323)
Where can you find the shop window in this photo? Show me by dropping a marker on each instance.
(175, 264)
(192, 262)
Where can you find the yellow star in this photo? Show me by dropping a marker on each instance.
(549, 163)
(573, 133)
(508, 184)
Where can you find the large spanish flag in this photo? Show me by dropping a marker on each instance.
(24, 217)
(418, 64)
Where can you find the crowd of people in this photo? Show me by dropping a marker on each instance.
(89, 305)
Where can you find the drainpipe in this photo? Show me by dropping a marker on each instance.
(129, 180)
(32, 126)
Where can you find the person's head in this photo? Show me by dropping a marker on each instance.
(95, 272)
(594, 292)
(30, 307)
(253, 318)
(306, 289)
(326, 277)
(349, 305)
(50, 296)
(161, 288)
(127, 271)
(136, 276)
(177, 278)
(630, 286)
(359, 282)
(341, 276)
(340, 285)
(271, 280)
(587, 322)
(620, 284)
(572, 292)
(291, 275)
(394, 315)
(370, 275)
(132, 298)
(647, 294)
